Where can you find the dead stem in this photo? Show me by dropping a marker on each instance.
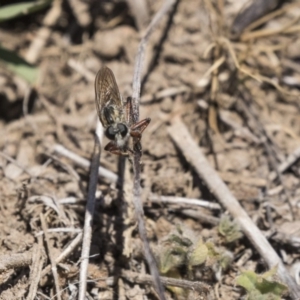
(184, 201)
(80, 161)
(67, 251)
(140, 13)
(290, 160)
(136, 86)
(252, 115)
(44, 32)
(36, 269)
(186, 284)
(81, 12)
(14, 261)
(88, 219)
(51, 256)
(251, 13)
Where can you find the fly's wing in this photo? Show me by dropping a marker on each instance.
(107, 95)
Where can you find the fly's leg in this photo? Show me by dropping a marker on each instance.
(113, 148)
(136, 131)
(129, 111)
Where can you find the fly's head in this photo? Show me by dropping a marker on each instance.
(119, 133)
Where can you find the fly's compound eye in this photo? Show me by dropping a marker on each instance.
(122, 129)
(111, 132)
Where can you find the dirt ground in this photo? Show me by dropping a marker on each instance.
(238, 95)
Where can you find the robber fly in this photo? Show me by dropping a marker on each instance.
(116, 116)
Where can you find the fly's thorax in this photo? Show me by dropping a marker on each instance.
(110, 115)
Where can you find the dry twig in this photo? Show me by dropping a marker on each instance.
(291, 159)
(184, 201)
(14, 261)
(36, 269)
(198, 215)
(52, 260)
(88, 219)
(136, 160)
(81, 12)
(194, 156)
(252, 115)
(80, 68)
(44, 33)
(140, 12)
(80, 161)
(67, 251)
(256, 10)
(186, 284)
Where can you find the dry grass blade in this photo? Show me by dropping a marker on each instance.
(15, 261)
(59, 149)
(136, 160)
(140, 12)
(36, 269)
(81, 12)
(186, 284)
(44, 32)
(256, 10)
(271, 16)
(88, 219)
(65, 253)
(184, 201)
(194, 156)
(52, 260)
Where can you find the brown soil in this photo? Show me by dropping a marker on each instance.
(247, 127)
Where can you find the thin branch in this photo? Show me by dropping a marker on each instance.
(52, 260)
(136, 85)
(252, 115)
(81, 69)
(140, 12)
(186, 284)
(14, 261)
(44, 32)
(256, 10)
(16, 163)
(82, 162)
(36, 269)
(136, 160)
(67, 251)
(189, 148)
(291, 159)
(168, 92)
(88, 220)
(81, 12)
(184, 201)
(196, 214)
(62, 229)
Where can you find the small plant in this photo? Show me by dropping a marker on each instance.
(261, 287)
(230, 230)
(184, 250)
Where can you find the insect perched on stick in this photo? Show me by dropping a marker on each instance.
(116, 116)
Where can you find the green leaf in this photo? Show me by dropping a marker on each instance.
(15, 10)
(199, 254)
(259, 287)
(171, 259)
(18, 65)
(247, 280)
